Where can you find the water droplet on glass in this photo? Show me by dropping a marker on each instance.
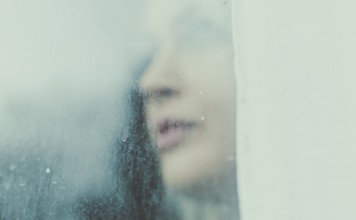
(231, 158)
(12, 167)
(7, 186)
(48, 170)
(125, 134)
(202, 118)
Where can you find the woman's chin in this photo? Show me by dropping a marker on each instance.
(192, 165)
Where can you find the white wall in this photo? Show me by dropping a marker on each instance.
(296, 76)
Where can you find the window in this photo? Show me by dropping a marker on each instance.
(114, 110)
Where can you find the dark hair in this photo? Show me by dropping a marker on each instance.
(139, 193)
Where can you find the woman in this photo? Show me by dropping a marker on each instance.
(188, 116)
(190, 104)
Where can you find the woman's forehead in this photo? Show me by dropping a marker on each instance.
(164, 16)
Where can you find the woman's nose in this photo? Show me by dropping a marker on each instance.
(161, 78)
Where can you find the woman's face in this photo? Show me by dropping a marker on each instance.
(190, 88)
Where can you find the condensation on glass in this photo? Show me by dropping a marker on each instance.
(115, 110)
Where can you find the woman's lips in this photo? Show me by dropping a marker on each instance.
(171, 132)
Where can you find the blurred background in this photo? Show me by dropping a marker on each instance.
(296, 118)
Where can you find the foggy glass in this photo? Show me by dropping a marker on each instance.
(117, 110)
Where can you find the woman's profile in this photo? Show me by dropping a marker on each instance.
(190, 95)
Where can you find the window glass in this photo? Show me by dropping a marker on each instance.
(116, 110)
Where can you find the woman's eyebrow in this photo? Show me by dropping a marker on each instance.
(192, 18)
(202, 28)
(200, 24)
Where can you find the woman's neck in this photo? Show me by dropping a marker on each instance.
(213, 199)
